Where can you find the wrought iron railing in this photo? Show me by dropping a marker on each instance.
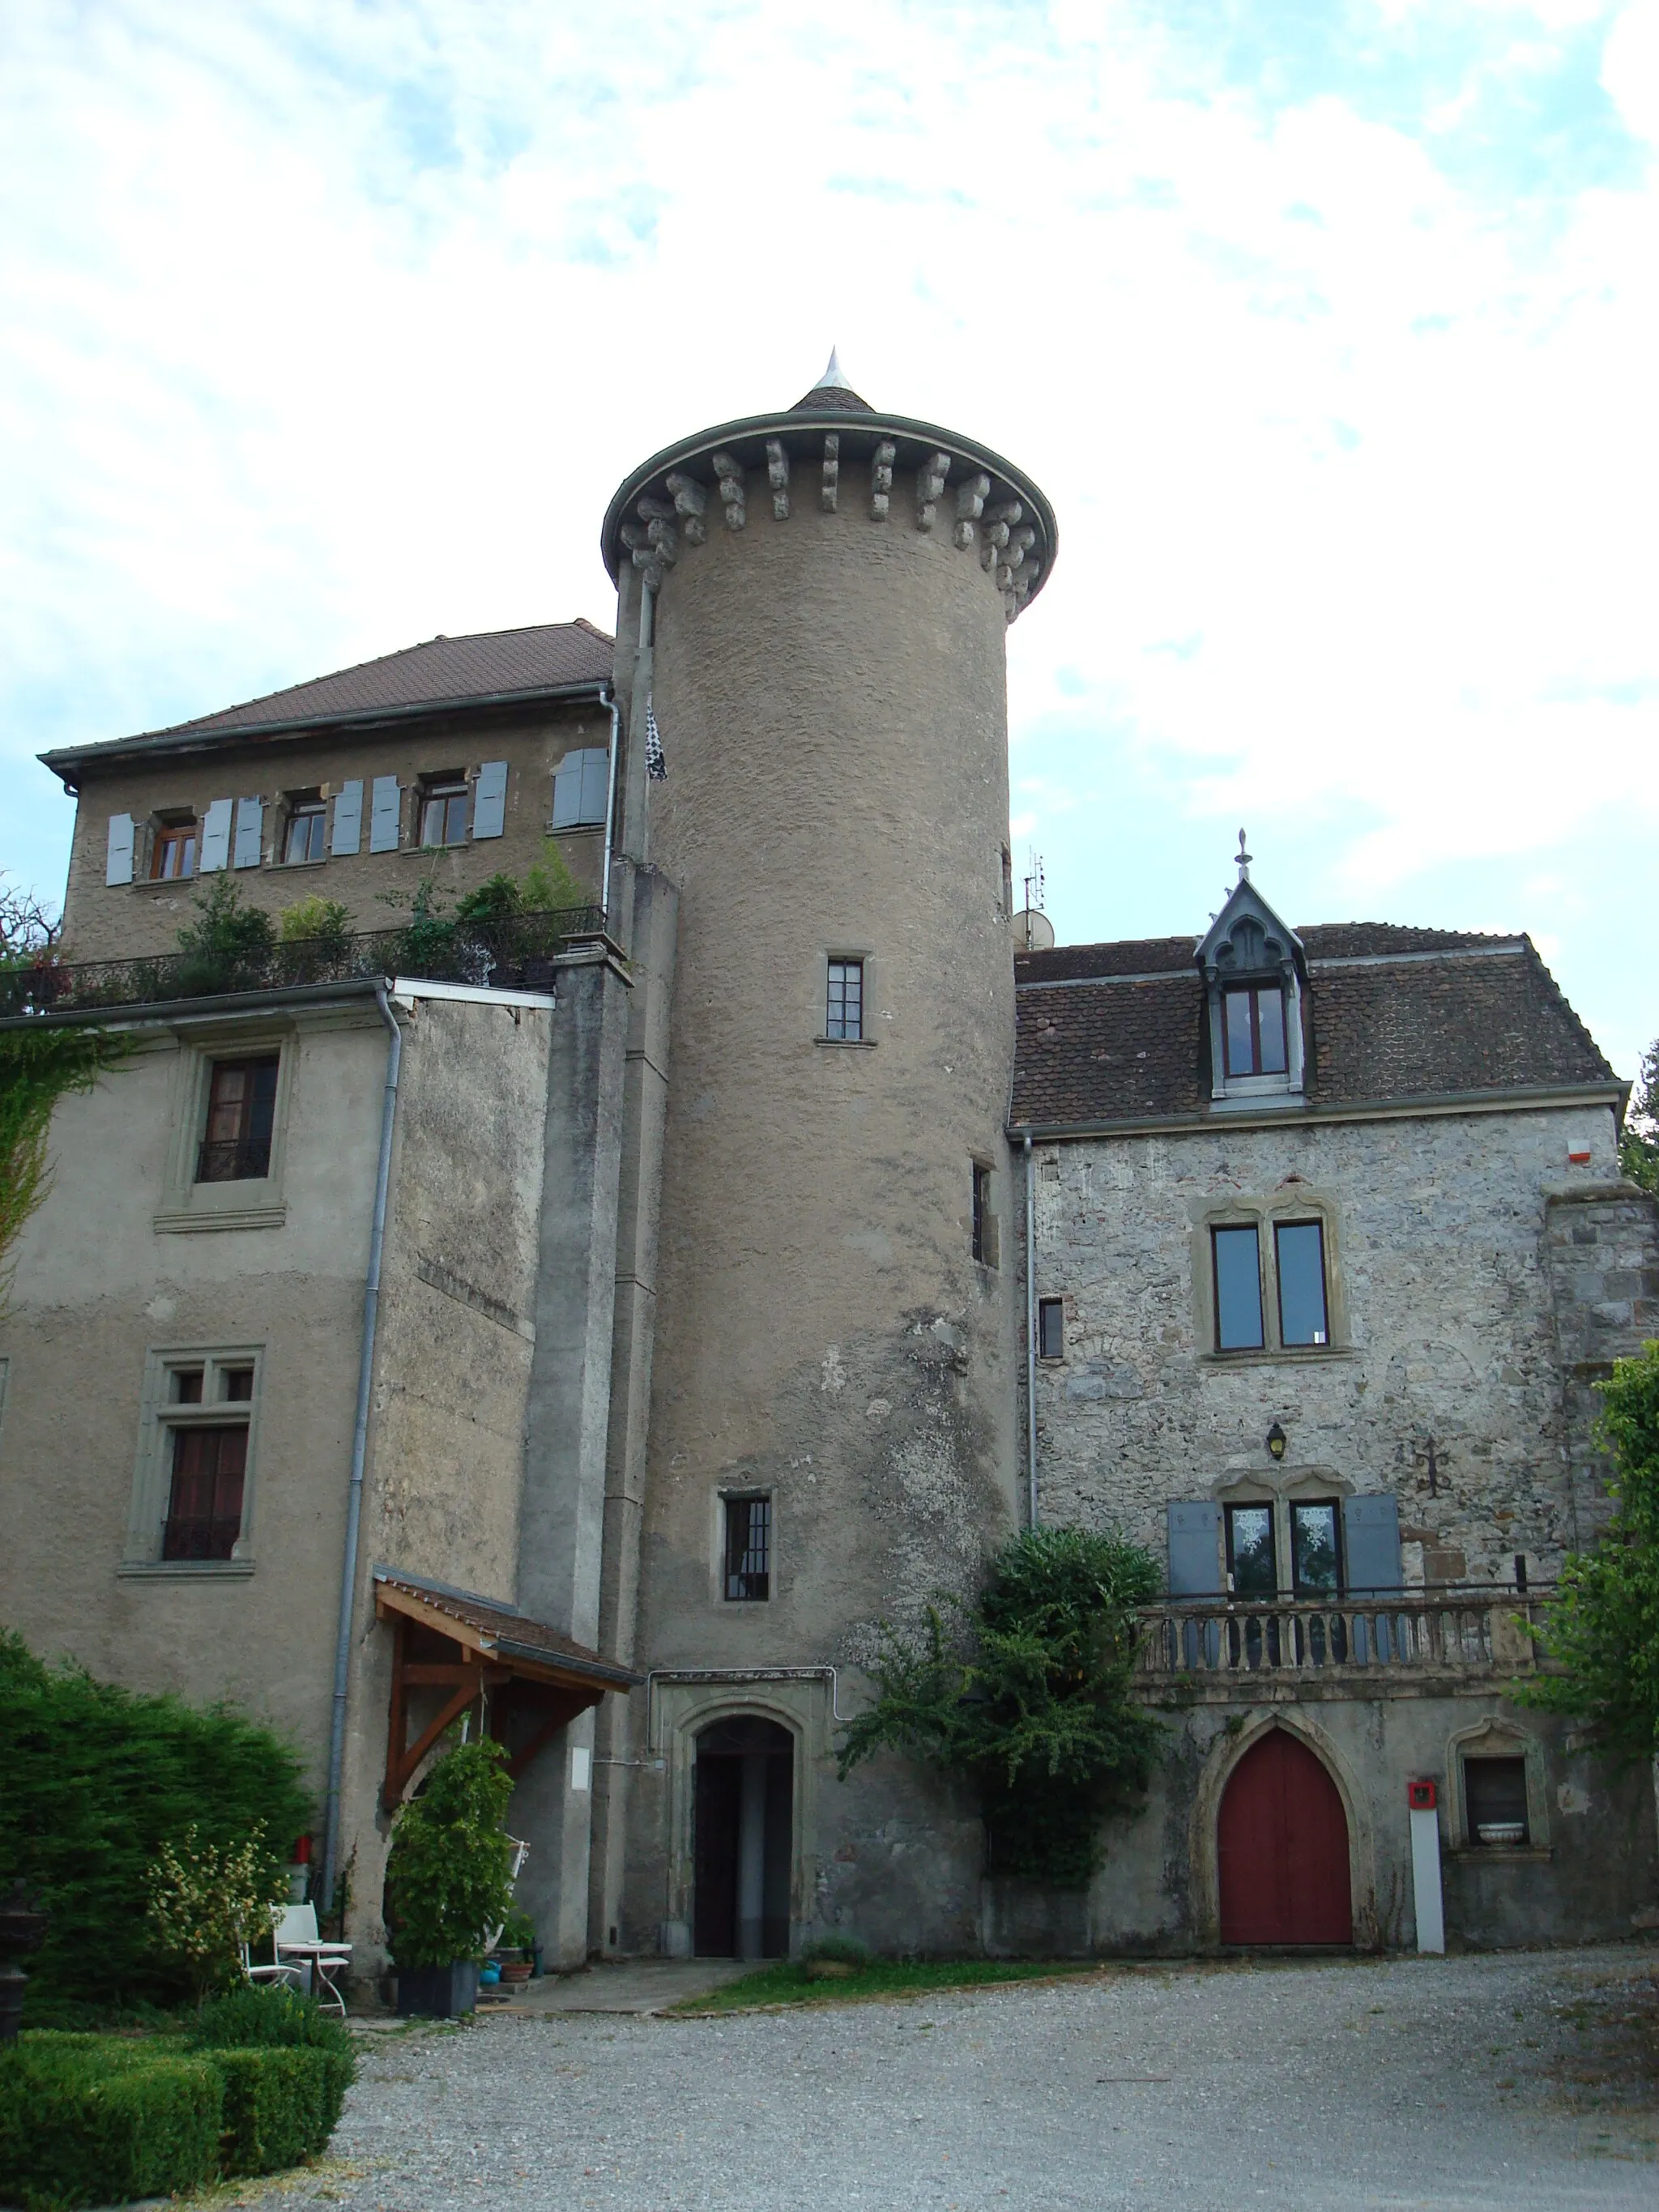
(1391, 1634)
(513, 953)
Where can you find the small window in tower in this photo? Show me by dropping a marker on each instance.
(843, 1012)
(1254, 1031)
(985, 1221)
(748, 1548)
(1051, 1328)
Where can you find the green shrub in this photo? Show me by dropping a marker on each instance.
(229, 948)
(446, 1879)
(252, 2018)
(834, 1950)
(92, 2120)
(93, 1780)
(276, 2107)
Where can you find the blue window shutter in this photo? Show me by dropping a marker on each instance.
(489, 800)
(1370, 1543)
(249, 819)
(385, 819)
(1194, 1548)
(568, 792)
(215, 837)
(596, 778)
(117, 864)
(348, 837)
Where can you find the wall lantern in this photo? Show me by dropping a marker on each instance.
(1276, 1441)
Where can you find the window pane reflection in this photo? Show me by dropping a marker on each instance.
(1237, 1290)
(1313, 1550)
(1250, 1551)
(1300, 1247)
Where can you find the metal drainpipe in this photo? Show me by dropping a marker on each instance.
(1030, 1338)
(608, 698)
(359, 1452)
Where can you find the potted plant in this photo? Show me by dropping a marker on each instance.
(447, 1880)
(515, 1946)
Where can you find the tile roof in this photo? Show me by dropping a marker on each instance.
(1117, 1032)
(442, 672)
(504, 1625)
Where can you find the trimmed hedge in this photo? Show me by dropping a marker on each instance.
(93, 1779)
(87, 2120)
(97, 2119)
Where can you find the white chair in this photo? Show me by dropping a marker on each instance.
(291, 1976)
(297, 1942)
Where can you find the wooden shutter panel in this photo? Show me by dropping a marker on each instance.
(348, 837)
(215, 837)
(489, 800)
(596, 776)
(384, 817)
(1370, 1543)
(250, 820)
(117, 863)
(568, 792)
(1194, 1548)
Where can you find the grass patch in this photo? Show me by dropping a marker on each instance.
(786, 1983)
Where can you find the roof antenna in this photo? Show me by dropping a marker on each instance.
(1034, 883)
(1244, 859)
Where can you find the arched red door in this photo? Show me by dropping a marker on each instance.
(1282, 1841)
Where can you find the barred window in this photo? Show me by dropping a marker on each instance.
(843, 1013)
(747, 1548)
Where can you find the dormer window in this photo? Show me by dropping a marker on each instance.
(1253, 1034)
(1253, 974)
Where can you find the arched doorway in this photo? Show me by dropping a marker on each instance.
(1282, 1844)
(745, 1790)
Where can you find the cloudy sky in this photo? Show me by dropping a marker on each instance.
(1330, 327)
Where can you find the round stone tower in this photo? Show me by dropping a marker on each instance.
(813, 607)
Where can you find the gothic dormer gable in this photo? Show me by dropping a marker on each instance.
(1253, 971)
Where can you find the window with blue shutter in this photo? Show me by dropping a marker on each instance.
(1370, 1544)
(385, 815)
(250, 823)
(348, 838)
(215, 837)
(580, 789)
(489, 800)
(118, 861)
(1194, 1548)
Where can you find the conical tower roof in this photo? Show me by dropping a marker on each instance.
(832, 391)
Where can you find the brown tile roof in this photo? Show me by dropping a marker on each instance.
(1116, 1032)
(504, 1625)
(443, 672)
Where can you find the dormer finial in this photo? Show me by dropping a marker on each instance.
(1244, 859)
(833, 378)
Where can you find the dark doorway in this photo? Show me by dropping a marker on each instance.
(745, 1786)
(1282, 1841)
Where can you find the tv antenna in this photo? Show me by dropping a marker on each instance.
(1033, 931)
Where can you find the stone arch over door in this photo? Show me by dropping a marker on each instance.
(688, 1712)
(1225, 1756)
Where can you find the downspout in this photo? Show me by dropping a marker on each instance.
(359, 1453)
(608, 698)
(1030, 1340)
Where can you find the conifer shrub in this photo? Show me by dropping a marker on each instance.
(446, 1874)
(1029, 1695)
(93, 1781)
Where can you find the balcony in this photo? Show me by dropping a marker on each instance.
(1403, 1643)
(515, 952)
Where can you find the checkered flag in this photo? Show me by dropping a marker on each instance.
(655, 766)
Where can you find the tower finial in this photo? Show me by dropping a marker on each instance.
(833, 378)
(1244, 859)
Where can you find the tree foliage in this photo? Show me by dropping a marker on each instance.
(1029, 1695)
(1639, 1140)
(446, 1883)
(1601, 1626)
(93, 1781)
(206, 1900)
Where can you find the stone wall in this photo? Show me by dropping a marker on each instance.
(1444, 1328)
(1602, 1244)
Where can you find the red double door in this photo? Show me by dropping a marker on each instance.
(1283, 1845)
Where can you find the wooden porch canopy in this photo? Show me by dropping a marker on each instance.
(534, 1681)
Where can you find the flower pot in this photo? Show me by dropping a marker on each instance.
(515, 1970)
(1506, 1834)
(438, 1992)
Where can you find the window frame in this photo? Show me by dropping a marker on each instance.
(984, 1241)
(849, 964)
(730, 1501)
(1217, 1231)
(1302, 1206)
(163, 1416)
(1051, 1308)
(1320, 1340)
(248, 1110)
(1230, 1508)
(311, 807)
(1254, 991)
(448, 787)
(1333, 1505)
(244, 1202)
(167, 831)
(1471, 1758)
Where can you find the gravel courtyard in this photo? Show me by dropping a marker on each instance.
(1497, 2081)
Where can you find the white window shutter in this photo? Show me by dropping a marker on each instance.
(489, 800)
(250, 824)
(215, 837)
(118, 864)
(596, 777)
(384, 817)
(348, 821)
